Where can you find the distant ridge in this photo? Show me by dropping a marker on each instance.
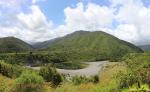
(45, 44)
(12, 44)
(145, 47)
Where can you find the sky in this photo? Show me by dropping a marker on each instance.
(40, 20)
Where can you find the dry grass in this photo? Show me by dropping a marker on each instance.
(111, 69)
(107, 80)
(5, 84)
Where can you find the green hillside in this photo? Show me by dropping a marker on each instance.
(98, 45)
(12, 44)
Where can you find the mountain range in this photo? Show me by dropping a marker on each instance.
(78, 45)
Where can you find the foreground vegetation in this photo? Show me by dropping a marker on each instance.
(131, 74)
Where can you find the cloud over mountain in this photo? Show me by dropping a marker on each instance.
(126, 19)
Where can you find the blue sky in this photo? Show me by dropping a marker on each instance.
(54, 9)
(40, 20)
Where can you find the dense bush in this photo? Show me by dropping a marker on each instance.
(56, 79)
(9, 70)
(126, 80)
(58, 57)
(34, 58)
(3, 85)
(29, 82)
(138, 70)
(14, 58)
(51, 75)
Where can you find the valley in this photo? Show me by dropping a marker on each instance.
(74, 46)
(92, 61)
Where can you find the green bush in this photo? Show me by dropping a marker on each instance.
(95, 79)
(9, 70)
(126, 80)
(51, 75)
(57, 79)
(58, 57)
(29, 81)
(138, 70)
(3, 85)
(77, 80)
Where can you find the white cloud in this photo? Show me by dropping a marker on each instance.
(36, 1)
(35, 25)
(135, 13)
(127, 32)
(35, 20)
(132, 17)
(30, 26)
(4, 32)
(90, 17)
(9, 3)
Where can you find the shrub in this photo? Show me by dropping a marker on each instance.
(10, 70)
(95, 79)
(126, 80)
(57, 79)
(29, 81)
(58, 57)
(3, 85)
(51, 75)
(138, 70)
(77, 80)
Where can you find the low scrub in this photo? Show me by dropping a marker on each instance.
(29, 82)
(11, 71)
(51, 75)
(138, 70)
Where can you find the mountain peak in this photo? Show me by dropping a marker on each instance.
(93, 45)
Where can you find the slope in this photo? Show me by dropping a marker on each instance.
(98, 45)
(12, 44)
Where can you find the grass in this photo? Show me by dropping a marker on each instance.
(5, 83)
(134, 88)
(111, 69)
(72, 88)
(108, 81)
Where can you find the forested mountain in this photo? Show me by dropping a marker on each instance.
(12, 44)
(92, 45)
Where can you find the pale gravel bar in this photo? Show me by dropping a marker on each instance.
(93, 68)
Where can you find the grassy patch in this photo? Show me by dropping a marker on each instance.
(108, 82)
(5, 83)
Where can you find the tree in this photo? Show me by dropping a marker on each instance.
(58, 57)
